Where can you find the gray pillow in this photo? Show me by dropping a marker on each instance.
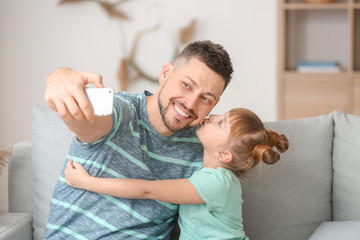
(50, 143)
(346, 160)
(290, 199)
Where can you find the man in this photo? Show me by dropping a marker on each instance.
(148, 136)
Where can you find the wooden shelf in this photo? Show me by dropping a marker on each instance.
(357, 73)
(308, 97)
(356, 5)
(289, 75)
(318, 32)
(356, 99)
(315, 6)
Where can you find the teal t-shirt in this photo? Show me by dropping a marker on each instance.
(221, 215)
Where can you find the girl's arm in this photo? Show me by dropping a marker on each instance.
(178, 191)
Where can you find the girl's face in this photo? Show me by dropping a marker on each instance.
(214, 132)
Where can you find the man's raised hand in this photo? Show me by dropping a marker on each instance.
(65, 93)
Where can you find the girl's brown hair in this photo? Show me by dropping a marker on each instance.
(251, 143)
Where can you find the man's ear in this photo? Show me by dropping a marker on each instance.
(224, 156)
(165, 71)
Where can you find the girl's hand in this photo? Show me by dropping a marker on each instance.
(76, 175)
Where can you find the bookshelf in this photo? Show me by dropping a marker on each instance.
(312, 32)
(356, 98)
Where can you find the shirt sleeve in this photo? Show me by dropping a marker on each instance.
(121, 116)
(212, 186)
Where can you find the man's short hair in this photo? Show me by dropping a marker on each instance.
(213, 55)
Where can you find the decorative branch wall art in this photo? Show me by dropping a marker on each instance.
(129, 70)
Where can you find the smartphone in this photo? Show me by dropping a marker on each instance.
(101, 99)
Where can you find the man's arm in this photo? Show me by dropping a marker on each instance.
(177, 191)
(65, 93)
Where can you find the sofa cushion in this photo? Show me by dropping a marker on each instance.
(50, 143)
(290, 199)
(346, 161)
(345, 230)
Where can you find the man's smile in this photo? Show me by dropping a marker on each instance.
(181, 111)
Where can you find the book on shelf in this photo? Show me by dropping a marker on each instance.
(318, 67)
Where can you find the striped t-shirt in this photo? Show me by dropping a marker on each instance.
(132, 149)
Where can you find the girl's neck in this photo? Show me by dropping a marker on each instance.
(210, 161)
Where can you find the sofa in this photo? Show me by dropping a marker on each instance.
(313, 192)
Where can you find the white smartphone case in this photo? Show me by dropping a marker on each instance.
(101, 99)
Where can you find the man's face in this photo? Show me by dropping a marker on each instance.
(187, 94)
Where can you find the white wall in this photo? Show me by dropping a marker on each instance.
(39, 36)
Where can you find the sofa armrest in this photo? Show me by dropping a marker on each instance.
(347, 230)
(20, 179)
(16, 226)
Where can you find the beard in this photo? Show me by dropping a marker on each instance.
(164, 110)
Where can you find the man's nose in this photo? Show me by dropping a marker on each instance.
(191, 102)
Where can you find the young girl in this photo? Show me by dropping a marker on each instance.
(210, 199)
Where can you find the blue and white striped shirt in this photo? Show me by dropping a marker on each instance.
(132, 149)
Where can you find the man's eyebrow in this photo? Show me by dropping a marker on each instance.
(196, 85)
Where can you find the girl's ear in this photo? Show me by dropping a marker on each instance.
(165, 71)
(224, 156)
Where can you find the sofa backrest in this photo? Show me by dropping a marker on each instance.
(289, 200)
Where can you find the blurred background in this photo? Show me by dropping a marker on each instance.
(39, 36)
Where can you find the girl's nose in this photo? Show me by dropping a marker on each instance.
(212, 117)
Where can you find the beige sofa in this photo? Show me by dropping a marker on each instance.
(312, 192)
